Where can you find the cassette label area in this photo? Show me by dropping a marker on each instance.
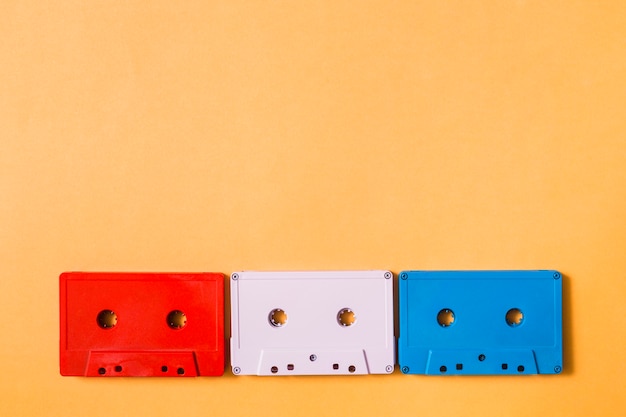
(480, 322)
(312, 323)
(141, 324)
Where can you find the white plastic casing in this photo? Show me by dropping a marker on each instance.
(313, 341)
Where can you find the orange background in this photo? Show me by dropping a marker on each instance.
(206, 136)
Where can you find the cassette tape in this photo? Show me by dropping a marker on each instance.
(312, 323)
(142, 324)
(480, 322)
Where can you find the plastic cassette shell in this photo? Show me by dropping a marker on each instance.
(312, 340)
(116, 324)
(480, 340)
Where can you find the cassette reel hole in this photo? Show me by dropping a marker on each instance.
(445, 317)
(176, 319)
(514, 317)
(277, 317)
(346, 317)
(107, 319)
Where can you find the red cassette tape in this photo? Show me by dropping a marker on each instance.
(142, 324)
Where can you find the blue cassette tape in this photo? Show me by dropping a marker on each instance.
(480, 322)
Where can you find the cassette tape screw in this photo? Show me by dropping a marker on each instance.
(236, 370)
(389, 368)
(313, 358)
(556, 275)
(481, 357)
(404, 275)
(405, 369)
(557, 369)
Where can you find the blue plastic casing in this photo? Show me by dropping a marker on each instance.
(481, 339)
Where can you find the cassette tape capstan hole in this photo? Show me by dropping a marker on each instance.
(107, 319)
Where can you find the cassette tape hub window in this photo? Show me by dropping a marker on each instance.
(312, 323)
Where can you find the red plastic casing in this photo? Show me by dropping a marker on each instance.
(142, 343)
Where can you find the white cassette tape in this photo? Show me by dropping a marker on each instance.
(312, 323)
